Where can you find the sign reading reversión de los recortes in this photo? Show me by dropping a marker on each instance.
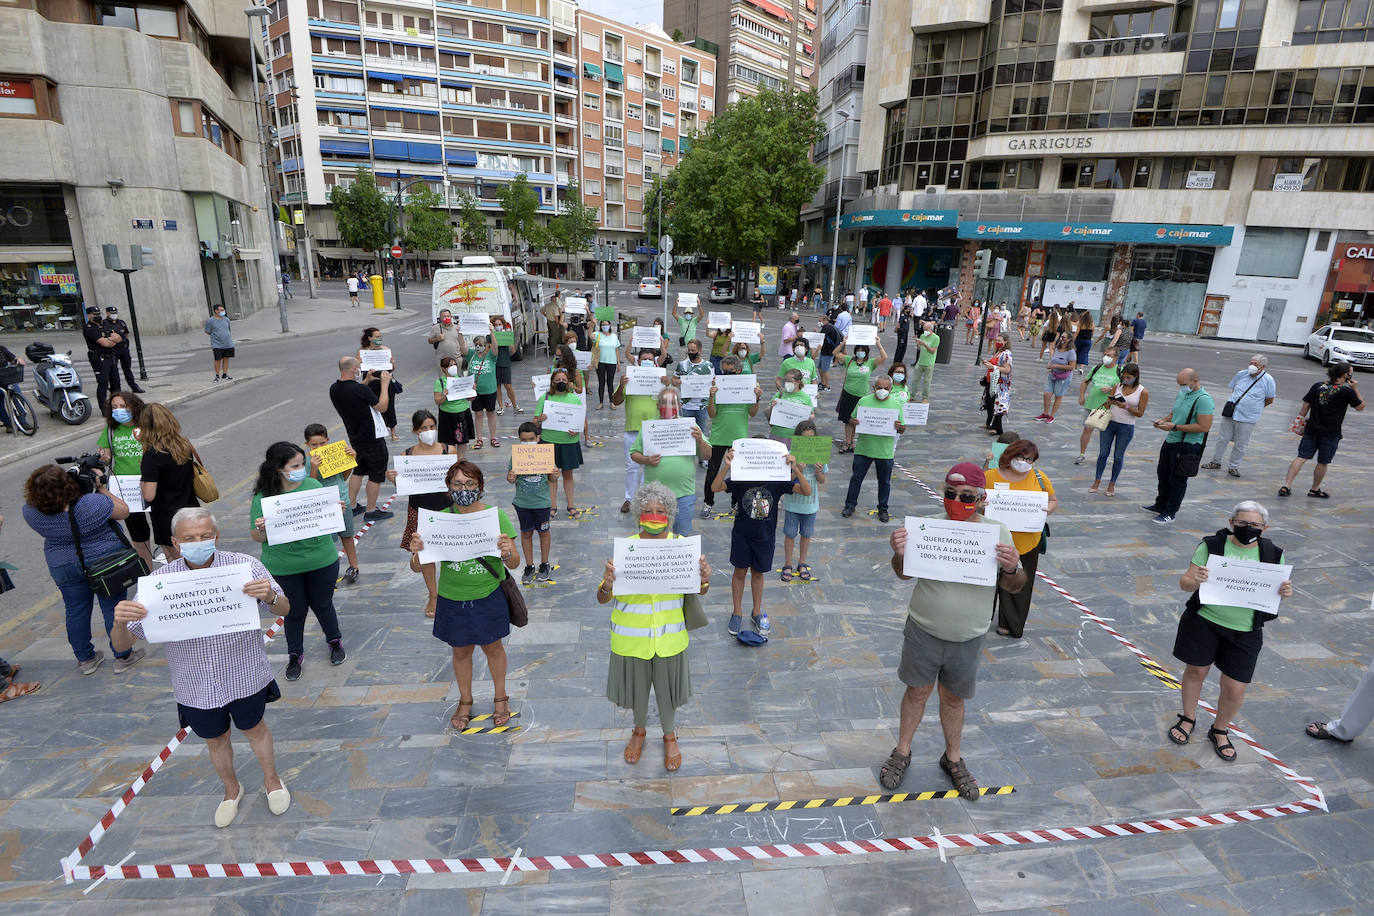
(1037, 143)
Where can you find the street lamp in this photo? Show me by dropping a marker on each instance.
(839, 203)
(262, 12)
(400, 236)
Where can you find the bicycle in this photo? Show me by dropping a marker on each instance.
(18, 411)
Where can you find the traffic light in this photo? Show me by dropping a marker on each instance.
(999, 269)
(111, 256)
(140, 256)
(982, 263)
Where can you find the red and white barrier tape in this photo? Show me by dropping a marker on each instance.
(365, 528)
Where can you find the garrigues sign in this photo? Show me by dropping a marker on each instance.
(1049, 143)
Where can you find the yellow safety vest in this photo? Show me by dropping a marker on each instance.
(645, 626)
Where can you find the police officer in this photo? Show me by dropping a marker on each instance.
(100, 347)
(121, 350)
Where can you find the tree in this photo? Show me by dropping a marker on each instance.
(472, 223)
(760, 149)
(362, 213)
(574, 228)
(678, 36)
(426, 227)
(521, 206)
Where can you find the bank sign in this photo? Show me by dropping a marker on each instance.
(886, 219)
(1116, 233)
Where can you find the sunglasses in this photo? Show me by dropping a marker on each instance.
(966, 498)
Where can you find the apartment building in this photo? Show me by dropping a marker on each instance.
(762, 43)
(1203, 161)
(128, 124)
(642, 99)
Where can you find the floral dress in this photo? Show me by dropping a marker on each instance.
(1002, 389)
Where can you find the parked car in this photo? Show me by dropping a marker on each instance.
(722, 290)
(1335, 343)
(650, 288)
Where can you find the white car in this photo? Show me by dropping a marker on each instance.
(650, 288)
(1335, 343)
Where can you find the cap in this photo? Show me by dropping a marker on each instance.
(111, 308)
(967, 474)
(92, 310)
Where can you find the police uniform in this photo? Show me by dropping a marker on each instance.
(103, 362)
(114, 325)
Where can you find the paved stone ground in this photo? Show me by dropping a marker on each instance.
(1067, 716)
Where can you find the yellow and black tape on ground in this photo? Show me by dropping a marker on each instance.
(848, 801)
(1162, 674)
(490, 729)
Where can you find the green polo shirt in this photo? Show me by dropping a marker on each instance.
(871, 446)
(1183, 409)
(298, 556)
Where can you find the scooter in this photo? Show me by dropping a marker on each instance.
(57, 384)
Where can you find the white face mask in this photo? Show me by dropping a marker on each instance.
(789, 387)
(881, 394)
(1254, 370)
(1108, 360)
(899, 376)
(799, 352)
(741, 353)
(429, 436)
(452, 370)
(1020, 465)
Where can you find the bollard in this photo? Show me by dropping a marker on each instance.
(378, 291)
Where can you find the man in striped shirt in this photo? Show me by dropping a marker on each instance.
(219, 678)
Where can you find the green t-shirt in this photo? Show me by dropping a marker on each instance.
(126, 453)
(927, 357)
(1225, 615)
(676, 472)
(531, 490)
(1097, 378)
(720, 344)
(871, 446)
(807, 367)
(447, 406)
(801, 397)
(747, 363)
(731, 422)
(1183, 409)
(557, 436)
(687, 327)
(298, 556)
(471, 579)
(638, 408)
(484, 368)
(857, 377)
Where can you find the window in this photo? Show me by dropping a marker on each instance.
(634, 138)
(634, 111)
(1132, 23)
(343, 120)
(334, 11)
(190, 118)
(1327, 21)
(160, 21)
(590, 42)
(591, 130)
(488, 31)
(1173, 263)
(615, 135)
(592, 187)
(28, 98)
(1287, 174)
(591, 160)
(689, 71)
(1268, 251)
(457, 95)
(591, 100)
(328, 82)
(669, 93)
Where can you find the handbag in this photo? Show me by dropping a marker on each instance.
(1098, 418)
(519, 612)
(1044, 547)
(113, 573)
(396, 387)
(1228, 409)
(1187, 464)
(693, 614)
(204, 486)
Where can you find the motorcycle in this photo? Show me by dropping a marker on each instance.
(57, 384)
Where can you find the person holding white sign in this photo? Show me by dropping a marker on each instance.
(728, 423)
(649, 637)
(566, 359)
(676, 472)
(372, 340)
(872, 450)
(638, 408)
(858, 378)
(608, 346)
(943, 639)
(456, 427)
(423, 425)
(122, 451)
(307, 569)
(694, 365)
(798, 357)
(1228, 636)
(482, 366)
(1016, 471)
(791, 406)
(221, 678)
(472, 609)
(567, 450)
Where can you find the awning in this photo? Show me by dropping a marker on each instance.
(390, 149)
(382, 75)
(340, 108)
(771, 8)
(615, 72)
(461, 157)
(399, 108)
(567, 74)
(452, 85)
(339, 72)
(513, 28)
(686, 144)
(591, 70)
(423, 152)
(669, 146)
(344, 147)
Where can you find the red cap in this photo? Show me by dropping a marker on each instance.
(967, 474)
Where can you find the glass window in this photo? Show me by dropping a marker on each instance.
(1268, 251)
(186, 118)
(158, 20)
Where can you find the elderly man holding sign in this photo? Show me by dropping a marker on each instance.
(1235, 580)
(219, 674)
(668, 448)
(958, 558)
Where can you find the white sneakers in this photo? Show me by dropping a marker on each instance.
(277, 802)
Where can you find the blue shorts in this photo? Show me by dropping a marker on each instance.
(751, 554)
(245, 712)
(798, 522)
(1058, 387)
(1324, 447)
(533, 519)
(827, 360)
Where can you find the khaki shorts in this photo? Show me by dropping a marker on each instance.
(929, 659)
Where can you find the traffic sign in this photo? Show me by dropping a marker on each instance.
(665, 242)
(665, 260)
(397, 251)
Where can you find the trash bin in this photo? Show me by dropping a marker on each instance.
(945, 351)
(378, 291)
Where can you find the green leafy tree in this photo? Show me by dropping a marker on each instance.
(427, 229)
(472, 223)
(574, 228)
(362, 213)
(520, 204)
(678, 36)
(759, 148)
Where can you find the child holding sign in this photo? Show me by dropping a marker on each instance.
(423, 424)
(791, 394)
(317, 436)
(455, 414)
(533, 500)
(800, 510)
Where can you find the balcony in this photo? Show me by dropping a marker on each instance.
(856, 18)
(614, 171)
(952, 14)
(565, 120)
(400, 64)
(652, 94)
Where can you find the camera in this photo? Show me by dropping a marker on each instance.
(88, 470)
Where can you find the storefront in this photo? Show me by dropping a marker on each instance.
(1347, 298)
(40, 287)
(906, 249)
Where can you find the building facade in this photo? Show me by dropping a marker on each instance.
(762, 43)
(129, 124)
(1199, 161)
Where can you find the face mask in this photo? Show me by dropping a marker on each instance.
(1020, 465)
(452, 370)
(667, 412)
(1184, 389)
(653, 523)
(219, 314)
(605, 329)
(960, 512)
(1130, 379)
(376, 340)
(647, 361)
(448, 320)
(1245, 533)
(296, 475)
(861, 355)
(198, 553)
(464, 497)
(560, 386)
(729, 372)
(899, 376)
(693, 355)
(881, 393)
(429, 436)
(789, 387)
(1253, 370)
(799, 352)
(121, 415)
(741, 353)
(1108, 360)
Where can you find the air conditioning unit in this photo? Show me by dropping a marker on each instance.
(935, 189)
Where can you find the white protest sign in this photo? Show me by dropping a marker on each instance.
(916, 415)
(1022, 511)
(302, 514)
(813, 389)
(129, 488)
(422, 473)
(1244, 583)
(696, 385)
(877, 421)
(374, 360)
(687, 300)
(645, 337)
(575, 305)
(861, 335)
(736, 389)
(474, 325)
(644, 380)
(454, 537)
(198, 602)
(563, 416)
(669, 437)
(759, 460)
(789, 413)
(461, 388)
(746, 331)
(379, 430)
(657, 567)
(718, 320)
(541, 384)
(584, 358)
(814, 339)
(948, 551)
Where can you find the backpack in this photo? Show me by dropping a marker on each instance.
(1216, 546)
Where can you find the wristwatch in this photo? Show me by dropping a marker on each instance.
(1003, 572)
(273, 602)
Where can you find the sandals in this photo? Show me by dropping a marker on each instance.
(804, 572)
(495, 443)
(1285, 491)
(958, 774)
(572, 512)
(635, 748)
(499, 718)
(460, 719)
(1318, 730)
(477, 443)
(893, 771)
(1178, 727)
(1318, 494)
(845, 449)
(787, 574)
(15, 690)
(672, 756)
(1221, 746)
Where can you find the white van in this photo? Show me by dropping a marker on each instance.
(482, 287)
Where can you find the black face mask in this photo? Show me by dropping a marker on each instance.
(1246, 534)
(560, 386)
